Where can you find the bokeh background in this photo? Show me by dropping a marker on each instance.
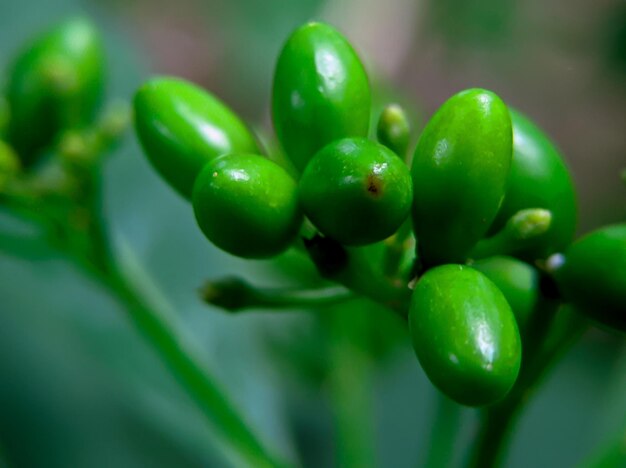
(78, 385)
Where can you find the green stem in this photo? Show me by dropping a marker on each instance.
(350, 392)
(493, 435)
(352, 267)
(83, 235)
(611, 455)
(235, 294)
(397, 248)
(160, 331)
(444, 431)
(147, 310)
(552, 341)
(520, 232)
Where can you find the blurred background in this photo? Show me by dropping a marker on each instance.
(79, 386)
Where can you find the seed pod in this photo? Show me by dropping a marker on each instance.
(356, 191)
(460, 168)
(321, 92)
(181, 127)
(518, 281)
(465, 335)
(593, 276)
(247, 205)
(538, 179)
(55, 84)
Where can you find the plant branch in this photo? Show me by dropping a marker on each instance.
(235, 295)
(352, 268)
(83, 235)
(443, 433)
(550, 337)
(160, 331)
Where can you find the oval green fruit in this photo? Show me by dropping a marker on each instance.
(181, 127)
(356, 191)
(55, 84)
(320, 94)
(459, 171)
(464, 334)
(539, 178)
(247, 205)
(593, 276)
(518, 281)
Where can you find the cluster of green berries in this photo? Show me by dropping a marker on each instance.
(51, 105)
(489, 196)
(490, 201)
(54, 86)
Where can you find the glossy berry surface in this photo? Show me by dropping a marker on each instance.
(518, 281)
(356, 191)
(539, 178)
(593, 276)
(181, 127)
(460, 168)
(320, 93)
(55, 84)
(247, 205)
(464, 334)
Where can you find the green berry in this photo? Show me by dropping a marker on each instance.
(518, 281)
(55, 84)
(464, 334)
(538, 179)
(460, 168)
(593, 276)
(321, 92)
(356, 191)
(247, 205)
(182, 127)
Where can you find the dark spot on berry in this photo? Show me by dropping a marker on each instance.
(374, 185)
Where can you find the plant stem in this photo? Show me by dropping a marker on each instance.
(350, 390)
(443, 432)
(497, 421)
(352, 268)
(493, 436)
(235, 294)
(179, 357)
(396, 249)
(90, 245)
(610, 455)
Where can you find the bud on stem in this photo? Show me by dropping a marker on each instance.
(522, 228)
(393, 129)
